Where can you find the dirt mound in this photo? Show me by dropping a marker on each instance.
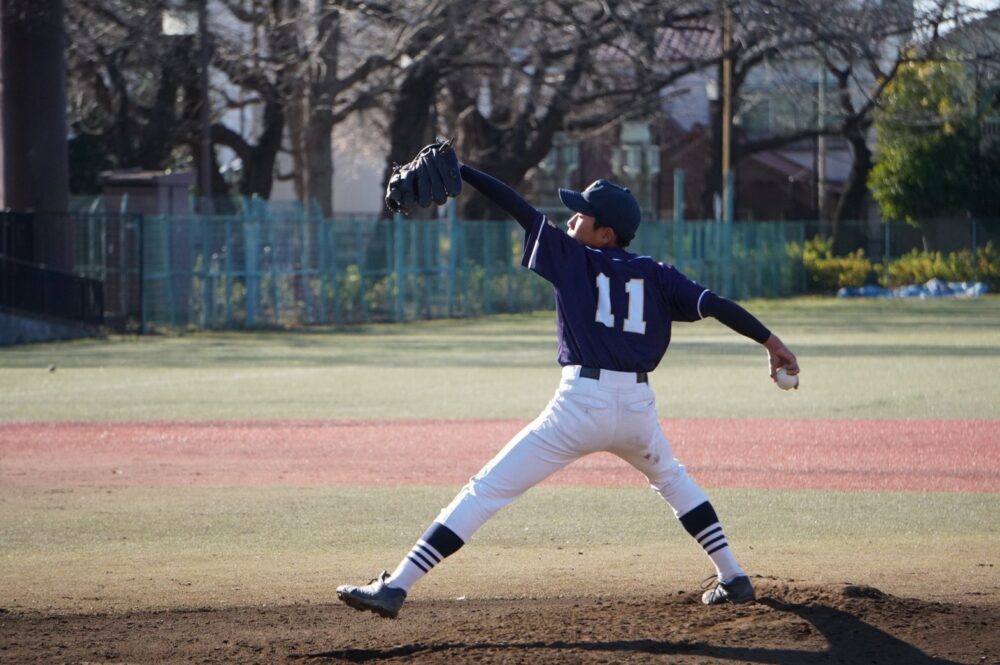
(792, 624)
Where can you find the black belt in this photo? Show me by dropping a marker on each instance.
(595, 373)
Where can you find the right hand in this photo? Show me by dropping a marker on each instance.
(778, 356)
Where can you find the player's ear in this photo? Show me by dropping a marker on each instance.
(608, 236)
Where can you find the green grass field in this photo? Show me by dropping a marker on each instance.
(882, 359)
(99, 549)
(195, 547)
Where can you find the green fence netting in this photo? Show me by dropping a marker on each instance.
(233, 272)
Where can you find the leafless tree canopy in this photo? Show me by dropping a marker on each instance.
(507, 78)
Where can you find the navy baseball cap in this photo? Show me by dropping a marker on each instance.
(612, 205)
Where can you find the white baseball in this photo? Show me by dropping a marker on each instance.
(785, 380)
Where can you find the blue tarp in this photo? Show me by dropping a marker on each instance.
(935, 288)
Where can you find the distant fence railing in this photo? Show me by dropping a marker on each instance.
(884, 240)
(28, 287)
(109, 249)
(17, 239)
(267, 268)
(225, 272)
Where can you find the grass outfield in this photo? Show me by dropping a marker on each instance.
(860, 359)
(103, 549)
(196, 547)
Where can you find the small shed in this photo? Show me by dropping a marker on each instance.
(147, 192)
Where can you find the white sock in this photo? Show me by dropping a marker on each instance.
(713, 540)
(405, 576)
(437, 543)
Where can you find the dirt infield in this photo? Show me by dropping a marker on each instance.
(794, 623)
(927, 455)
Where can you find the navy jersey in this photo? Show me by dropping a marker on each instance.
(613, 308)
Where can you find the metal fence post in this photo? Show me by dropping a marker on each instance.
(306, 271)
(322, 276)
(727, 235)
(452, 254)
(229, 272)
(271, 249)
(141, 232)
(679, 219)
(399, 271)
(487, 272)
(251, 239)
(168, 267)
(206, 272)
(331, 253)
(975, 251)
(886, 253)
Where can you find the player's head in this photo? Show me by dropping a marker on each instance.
(612, 206)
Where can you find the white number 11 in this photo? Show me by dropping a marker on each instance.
(634, 323)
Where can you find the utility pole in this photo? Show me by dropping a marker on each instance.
(728, 180)
(727, 112)
(821, 146)
(207, 161)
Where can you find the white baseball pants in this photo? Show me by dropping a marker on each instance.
(613, 413)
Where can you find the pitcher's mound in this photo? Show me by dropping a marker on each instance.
(793, 623)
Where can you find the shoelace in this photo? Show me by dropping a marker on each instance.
(382, 577)
(706, 584)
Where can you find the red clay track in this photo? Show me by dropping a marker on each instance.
(932, 455)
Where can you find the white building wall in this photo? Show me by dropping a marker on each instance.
(357, 176)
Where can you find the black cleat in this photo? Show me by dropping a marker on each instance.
(737, 590)
(375, 597)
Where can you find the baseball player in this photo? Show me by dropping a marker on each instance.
(614, 311)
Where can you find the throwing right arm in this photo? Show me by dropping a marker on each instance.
(740, 320)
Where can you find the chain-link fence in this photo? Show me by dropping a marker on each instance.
(108, 248)
(273, 268)
(892, 239)
(225, 272)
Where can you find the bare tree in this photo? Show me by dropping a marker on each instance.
(130, 85)
(508, 77)
(137, 89)
(860, 46)
(340, 74)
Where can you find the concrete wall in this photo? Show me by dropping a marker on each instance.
(15, 329)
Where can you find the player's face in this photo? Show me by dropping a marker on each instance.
(580, 227)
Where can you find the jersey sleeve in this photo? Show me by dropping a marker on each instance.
(734, 316)
(683, 296)
(547, 250)
(500, 193)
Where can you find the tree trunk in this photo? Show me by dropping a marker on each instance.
(851, 204)
(319, 128)
(296, 110)
(713, 164)
(157, 137)
(410, 128)
(35, 151)
(259, 173)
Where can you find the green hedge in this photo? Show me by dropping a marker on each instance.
(827, 272)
